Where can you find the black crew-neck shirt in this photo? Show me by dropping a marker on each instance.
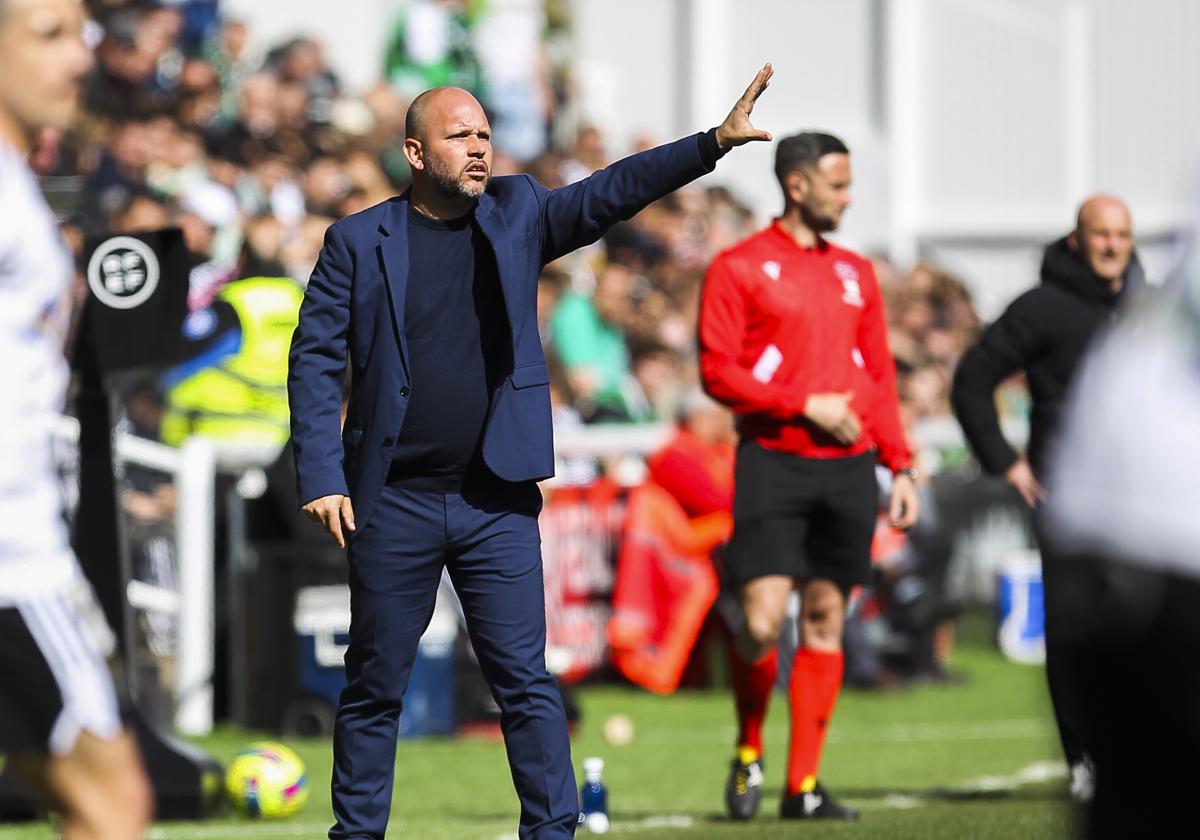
(456, 330)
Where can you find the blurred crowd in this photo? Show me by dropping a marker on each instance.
(253, 153)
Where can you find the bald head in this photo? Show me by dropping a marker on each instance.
(431, 105)
(1101, 209)
(449, 148)
(1103, 237)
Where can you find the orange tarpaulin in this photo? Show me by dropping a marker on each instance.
(665, 587)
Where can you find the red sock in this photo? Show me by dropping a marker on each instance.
(813, 692)
(752, 684)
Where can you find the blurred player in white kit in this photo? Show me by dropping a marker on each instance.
(60, 727)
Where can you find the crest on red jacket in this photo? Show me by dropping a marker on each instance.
(851, 290)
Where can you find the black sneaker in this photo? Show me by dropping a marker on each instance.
(744, 788)
(817, 804)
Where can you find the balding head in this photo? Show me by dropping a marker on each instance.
(431, 106)
(1103, 237)
(449, 148)
(1103, 209)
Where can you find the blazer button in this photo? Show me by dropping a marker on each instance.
(387, 441)
(404, 391)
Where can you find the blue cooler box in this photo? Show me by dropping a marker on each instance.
(322, 623)
(1021, 607)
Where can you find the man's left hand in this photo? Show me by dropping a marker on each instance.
(903, 511)
(737, 130)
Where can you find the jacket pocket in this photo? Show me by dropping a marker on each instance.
(527, 376)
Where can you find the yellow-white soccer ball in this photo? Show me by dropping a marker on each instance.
(267, 780)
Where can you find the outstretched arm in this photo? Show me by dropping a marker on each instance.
(579, 214)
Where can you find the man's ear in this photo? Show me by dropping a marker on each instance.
(796, 186)
(1073, 240)
(414, 154)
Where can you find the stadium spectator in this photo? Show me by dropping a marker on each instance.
(587, 335)
(587, 155)
(696, 466)
(666, 583)
(793, 339)
(431, 46)
(512, 55)
(1044, 332)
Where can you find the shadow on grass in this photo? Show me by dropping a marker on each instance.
(944, 794)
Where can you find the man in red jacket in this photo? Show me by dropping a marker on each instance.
(793, 339)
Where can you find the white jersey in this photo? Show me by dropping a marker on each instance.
(35, 283)
(1125, 477)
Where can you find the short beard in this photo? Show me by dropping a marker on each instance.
(817, 222)
(451, 186)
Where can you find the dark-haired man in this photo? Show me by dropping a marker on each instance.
(1045, 333)
(432, 297)
(793, 339)
(60, 727)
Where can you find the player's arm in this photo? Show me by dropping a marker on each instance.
(580, 213)
(722, 333)
(886, 425)
(317, 366)
(1008, 345)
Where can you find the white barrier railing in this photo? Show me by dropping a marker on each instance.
(193, 469)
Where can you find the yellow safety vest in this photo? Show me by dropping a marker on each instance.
(243, 397)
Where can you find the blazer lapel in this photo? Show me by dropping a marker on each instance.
(393, 257)
(495, 228)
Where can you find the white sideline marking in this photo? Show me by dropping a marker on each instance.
(1031, 774)
(1040, 771)
(901, 802)
(634, 826)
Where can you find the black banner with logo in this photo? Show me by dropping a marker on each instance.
(137, 299)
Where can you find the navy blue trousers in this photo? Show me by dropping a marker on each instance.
(487, 537)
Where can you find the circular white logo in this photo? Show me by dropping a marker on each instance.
(845, 271)
(123, 272)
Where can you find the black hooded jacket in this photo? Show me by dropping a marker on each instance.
(1045, 333)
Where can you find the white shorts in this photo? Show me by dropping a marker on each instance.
(54, 678)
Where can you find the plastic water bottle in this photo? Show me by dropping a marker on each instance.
(593, 797)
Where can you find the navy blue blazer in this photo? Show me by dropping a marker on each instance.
(354, 309)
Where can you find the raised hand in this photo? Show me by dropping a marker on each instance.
(737, 128)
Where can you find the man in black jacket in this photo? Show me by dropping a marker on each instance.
(1045, 333)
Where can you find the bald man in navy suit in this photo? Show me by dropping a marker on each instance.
(431, 297)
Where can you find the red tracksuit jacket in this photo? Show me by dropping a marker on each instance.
(779, 322)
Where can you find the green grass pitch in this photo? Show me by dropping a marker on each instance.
(978, 760)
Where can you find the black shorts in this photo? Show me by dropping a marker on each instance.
(54, 681)
(802, 517)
